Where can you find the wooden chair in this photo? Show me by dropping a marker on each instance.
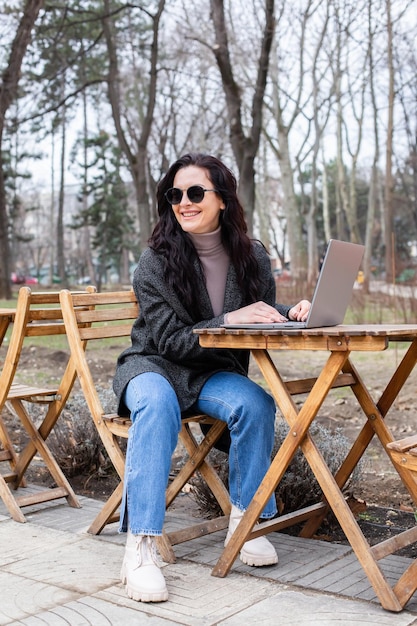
(403, 453)
(35, 316)
(90, 317)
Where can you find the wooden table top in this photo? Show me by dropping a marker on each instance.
(354, 337)
(405, 331)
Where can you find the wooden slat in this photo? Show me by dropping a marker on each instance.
(393, 331)
(296, 387)
(44, 496)
(40, 315)
(44, 330)
(106, 315)
(393, 544)
(26, 391)
(198, 530)
(104, 298)
(119, 429)
(402, 445)
(105, 332)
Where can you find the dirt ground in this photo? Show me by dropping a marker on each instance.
(377, 494)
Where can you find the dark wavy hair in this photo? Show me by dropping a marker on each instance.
(175, 246)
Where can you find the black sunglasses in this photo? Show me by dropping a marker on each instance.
(195, 194)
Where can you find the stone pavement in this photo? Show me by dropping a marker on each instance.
(53, 573)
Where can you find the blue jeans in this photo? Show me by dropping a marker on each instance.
(156, 422)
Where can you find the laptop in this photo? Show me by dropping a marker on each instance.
(333, 291)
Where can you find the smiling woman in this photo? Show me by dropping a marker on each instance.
(200, 267)
(195, 203)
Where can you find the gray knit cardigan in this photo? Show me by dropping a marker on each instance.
(162, 336)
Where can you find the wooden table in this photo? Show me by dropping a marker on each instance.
(338, 370)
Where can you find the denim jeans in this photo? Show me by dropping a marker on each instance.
(156, 422)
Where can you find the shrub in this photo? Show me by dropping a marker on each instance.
(298, 487)
(74, 441)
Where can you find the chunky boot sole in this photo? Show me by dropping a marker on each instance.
(257, 561)
(142, 595)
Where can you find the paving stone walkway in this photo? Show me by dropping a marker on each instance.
(53, 573)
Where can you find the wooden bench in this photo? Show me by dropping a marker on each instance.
(36, 315)
(97, 316)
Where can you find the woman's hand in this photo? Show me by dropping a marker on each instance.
(258, 312)
(299, 312)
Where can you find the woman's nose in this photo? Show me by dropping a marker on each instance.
(185, 200)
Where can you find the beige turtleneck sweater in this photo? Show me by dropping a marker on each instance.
(215, 262)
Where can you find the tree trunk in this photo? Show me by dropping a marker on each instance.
(8, 92)
(326, 210)
(341, 174)
(137, 156)
(388, 221)
(294, 230)
(60, 218)
(245, 147)
(85, 234)
(374, 183)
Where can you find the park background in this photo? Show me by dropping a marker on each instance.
(312, 103)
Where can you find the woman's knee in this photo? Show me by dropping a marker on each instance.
(258, 402)
(152, 394)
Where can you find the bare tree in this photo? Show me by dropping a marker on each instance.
(388, 214)
(299, 89)
(8, 93)
(245, 145)
(134, 144)
(374, 179)
(320, 103)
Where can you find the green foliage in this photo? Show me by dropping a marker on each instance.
(108, 214)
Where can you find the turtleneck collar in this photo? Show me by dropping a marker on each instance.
(215, 262)
(207, 243)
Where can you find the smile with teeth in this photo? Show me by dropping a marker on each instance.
(190, 213)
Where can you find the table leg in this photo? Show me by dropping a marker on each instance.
(375, 425)
(299, 437)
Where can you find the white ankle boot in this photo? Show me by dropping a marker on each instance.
(141, 570)
(257, 552)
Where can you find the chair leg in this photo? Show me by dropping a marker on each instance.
(48, 458)
(107, 512)
(165, 548)
(10, 502)
(198, 461)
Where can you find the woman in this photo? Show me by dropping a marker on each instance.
(200, 270)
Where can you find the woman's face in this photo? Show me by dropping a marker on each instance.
(201, 217)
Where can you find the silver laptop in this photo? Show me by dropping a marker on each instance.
(333, 291)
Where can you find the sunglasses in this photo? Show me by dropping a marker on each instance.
(195, 194)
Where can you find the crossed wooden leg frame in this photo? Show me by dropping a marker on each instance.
(391, 598)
